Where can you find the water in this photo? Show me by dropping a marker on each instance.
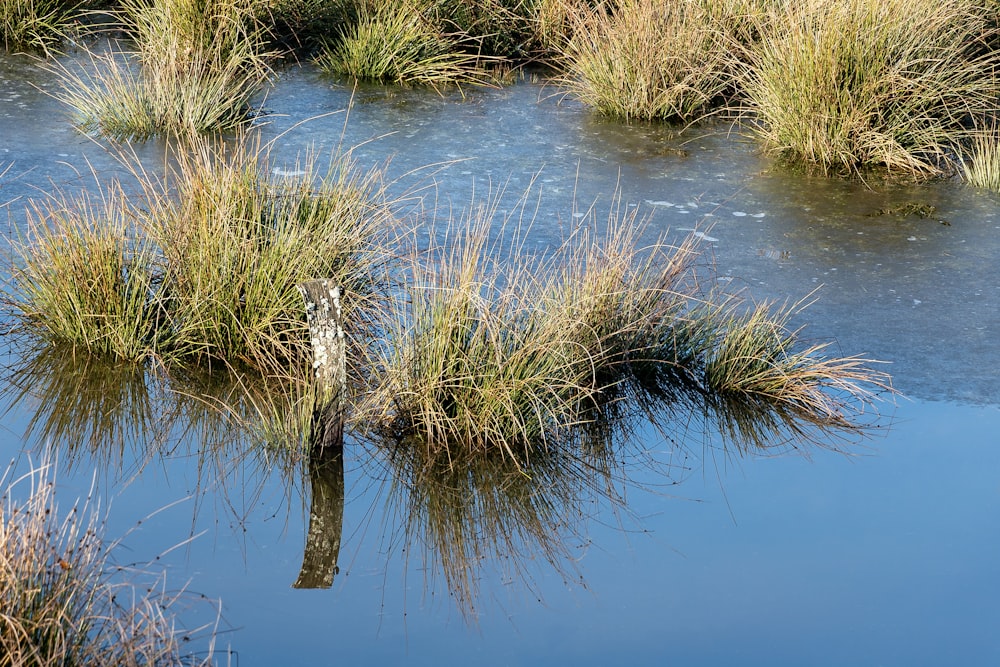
(882, 555)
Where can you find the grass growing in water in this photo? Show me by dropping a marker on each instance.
(492, 350)
(195, 68)
(646, 59)
(981, 163)
(61, 602)
(35, 25)
(853, 84)
(397, 42)
(202, 264)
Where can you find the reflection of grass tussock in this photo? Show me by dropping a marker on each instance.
(61, 605)
(397, 42)
(847, 85)
(465, 517)
(204, 264)
(646, 59)
(196, 66)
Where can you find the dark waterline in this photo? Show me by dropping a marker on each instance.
(882, 558)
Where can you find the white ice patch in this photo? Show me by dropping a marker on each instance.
(699, 235)
(758, 215)
(659, 203)
(739, 214)
(278, 171)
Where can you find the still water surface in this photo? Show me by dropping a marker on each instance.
(883, 555)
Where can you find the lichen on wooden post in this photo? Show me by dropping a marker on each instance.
(326, 332)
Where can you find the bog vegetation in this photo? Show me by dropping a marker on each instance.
(64, 599)
(849, 88)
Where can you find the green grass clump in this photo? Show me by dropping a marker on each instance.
(755, 357)
(397, 42)
(203, 264)
(195, 67)
(35, 25)
(646, 59)
(981, 163)
(491, 350)
(85, 277)
(850, 85)
(60, 602)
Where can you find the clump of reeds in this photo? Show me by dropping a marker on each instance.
(755, 357)
(495, 351)
(399, 43)
(35, 25)
(86, 277)
(62, 603)
(194, 67)
(981, 161)
(646, 59)
(849, 85)
(202, 264)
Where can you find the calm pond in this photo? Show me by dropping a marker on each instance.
(881, 553)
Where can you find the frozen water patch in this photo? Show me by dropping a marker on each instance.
(698, 235)
(665, 204)
(288, 173)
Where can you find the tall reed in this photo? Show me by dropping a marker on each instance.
(849, 85)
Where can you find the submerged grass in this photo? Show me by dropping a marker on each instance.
(852, 85)
(61, 602)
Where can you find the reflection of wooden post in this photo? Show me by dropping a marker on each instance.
(326, 519)
(326, 459)
(326, 331)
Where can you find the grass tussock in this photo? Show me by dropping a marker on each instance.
(853, 85)
(492, 350)
(399, 43)
(86, 278)
(646, 59)
(62, 603)
(35, 25)
(202, 264)
(981, 162)
(194, 67)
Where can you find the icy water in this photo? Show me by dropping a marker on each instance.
(884, 554)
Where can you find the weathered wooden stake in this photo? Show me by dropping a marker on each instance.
(326, 460)
(323, 313)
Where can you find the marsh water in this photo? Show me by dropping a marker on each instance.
(879, 550)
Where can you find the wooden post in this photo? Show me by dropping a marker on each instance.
(326, 331)
(326, 450)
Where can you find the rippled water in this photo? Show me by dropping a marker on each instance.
(885, 556)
